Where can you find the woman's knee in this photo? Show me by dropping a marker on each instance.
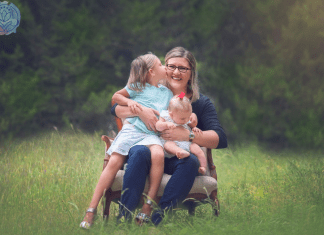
(140, 153)
(192, 162)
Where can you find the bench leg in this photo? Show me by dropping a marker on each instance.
(216, 206)
(106, 204)
(191, 205)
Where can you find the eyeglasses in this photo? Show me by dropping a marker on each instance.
(180, 68)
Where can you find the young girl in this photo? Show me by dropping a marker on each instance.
(142, 89)
(180, 113)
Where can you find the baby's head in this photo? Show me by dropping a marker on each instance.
(180, 109)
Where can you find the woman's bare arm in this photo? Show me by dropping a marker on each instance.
(124, 112)
(147, 115)
(121, 97)
(209, 139)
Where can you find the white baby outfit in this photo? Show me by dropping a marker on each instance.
(181, 144)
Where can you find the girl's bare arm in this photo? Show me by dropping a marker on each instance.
(121, 97)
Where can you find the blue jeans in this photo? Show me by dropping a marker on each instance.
(183, 173)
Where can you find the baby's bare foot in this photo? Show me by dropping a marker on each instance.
(202, 170)
(182, 154)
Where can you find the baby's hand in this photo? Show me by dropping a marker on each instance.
(171, 125)
(196, 130)
(193, 119)
(134, 106)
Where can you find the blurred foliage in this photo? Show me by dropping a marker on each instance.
(259, 61)
(285, 77)
(268, 73)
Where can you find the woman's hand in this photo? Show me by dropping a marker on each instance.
(179, 133)
(148, 116)
(134, 106)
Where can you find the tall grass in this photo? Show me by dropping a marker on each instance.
(47, 183)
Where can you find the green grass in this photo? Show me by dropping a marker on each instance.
(46, 184)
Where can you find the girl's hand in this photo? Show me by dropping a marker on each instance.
(179, 133)
(134, 106)
(196, 130)
(148, 116)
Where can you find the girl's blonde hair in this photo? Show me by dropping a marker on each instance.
(140, 71)
(180, 104)
(192, 88)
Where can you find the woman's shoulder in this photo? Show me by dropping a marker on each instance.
(202, 100)
(202, 105)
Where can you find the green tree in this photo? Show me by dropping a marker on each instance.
(279, 86)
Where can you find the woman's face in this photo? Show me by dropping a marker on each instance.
(177, 79)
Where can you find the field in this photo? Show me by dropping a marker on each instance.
(46, 184)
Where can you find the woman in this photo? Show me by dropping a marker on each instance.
(182, 77)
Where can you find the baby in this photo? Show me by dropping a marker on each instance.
(179, 113)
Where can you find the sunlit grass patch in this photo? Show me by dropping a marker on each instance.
(276, 191)
(47, 183)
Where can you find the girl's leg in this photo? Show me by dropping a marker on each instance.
(172, 148)
(138, 167)
(184, 172)
(156, 173)
(106, 179)
(196, 150)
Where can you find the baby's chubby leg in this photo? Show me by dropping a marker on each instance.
(196, 150)
(172, 148)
